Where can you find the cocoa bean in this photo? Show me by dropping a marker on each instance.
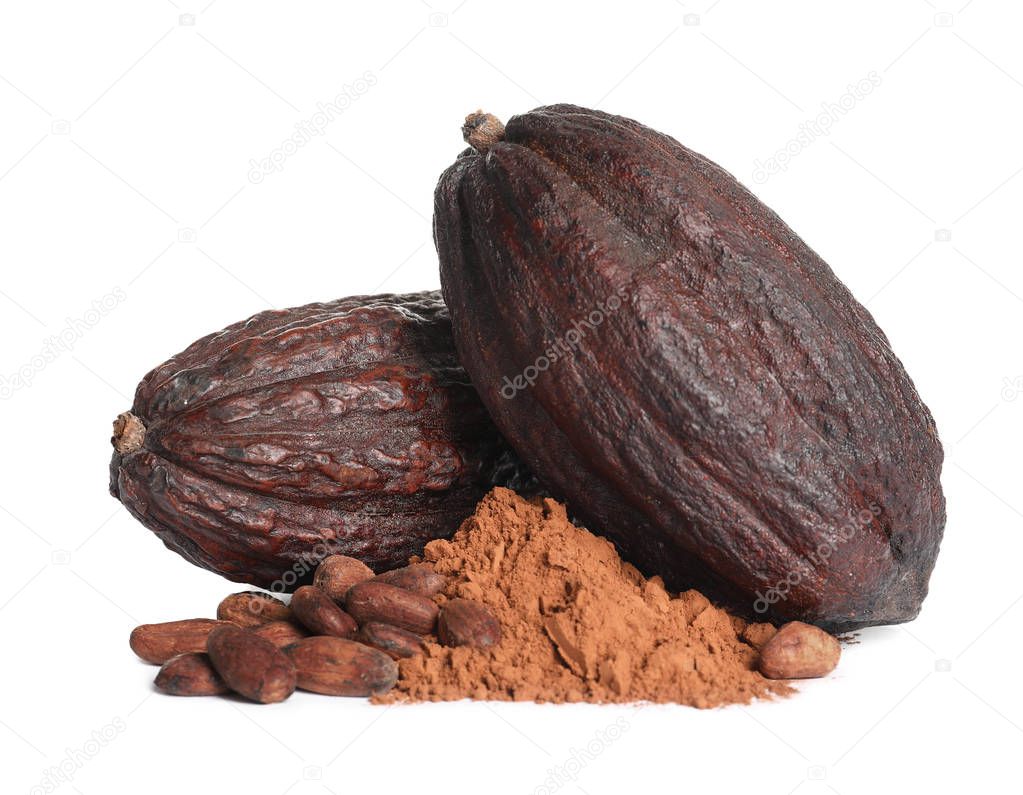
(281, 633)
(252, 608)
(250, 665)
(393, 641)
(799, 651)
(157, 643)
(389, 604)
(320, 615)
(463, 622)
(419, 578)
(337, 667)
(190, 674)
(337, 573)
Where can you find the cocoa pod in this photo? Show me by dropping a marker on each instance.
(388, 604)
(718, 403)
(419, 578)
(157, 643)
(252, 608)
(463, 622)
(799, 651)
(281, 633)
(250, 665)
(394, 641)
(337, 573)
(318, 613)
(337, 667)
(190, 674)
(346, 426)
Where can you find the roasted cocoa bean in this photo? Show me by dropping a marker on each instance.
(190, 674)
(157, 643)
(394, 641)
(337, 573)
(281, 633)
(419, 578)
(252, 608)
(318, 613)
(799, 651)
(337, 667)
(463, 622)
(250, 665)
(389, 604)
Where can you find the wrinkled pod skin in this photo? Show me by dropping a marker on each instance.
(345, 427)
(673, 360)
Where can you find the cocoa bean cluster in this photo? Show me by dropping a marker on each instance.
(340, 636)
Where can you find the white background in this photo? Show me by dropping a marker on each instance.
(125, 146)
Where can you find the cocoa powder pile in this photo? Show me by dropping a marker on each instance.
(578, 623)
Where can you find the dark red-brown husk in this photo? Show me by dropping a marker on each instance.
(733, 412)
(345, 427)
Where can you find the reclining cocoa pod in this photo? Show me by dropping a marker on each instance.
(345, 427)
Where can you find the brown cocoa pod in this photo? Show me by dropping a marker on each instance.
(252, 608)
(190, 674)
(346, 425)
(250, 665)
(157, 643)
(337, 667)
(463, 622)
(394, 641)
(389, 604)
(799, 651)
(419, 578)
(281, 633)
(337, 573)
(318, 613)
(731, 410)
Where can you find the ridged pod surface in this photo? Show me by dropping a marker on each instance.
(675, 362)
(345, 427)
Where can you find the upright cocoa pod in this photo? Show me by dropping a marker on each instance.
(671, 358)
(343, 427)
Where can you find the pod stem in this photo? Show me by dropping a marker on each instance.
(482, 130)
(129, 433)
